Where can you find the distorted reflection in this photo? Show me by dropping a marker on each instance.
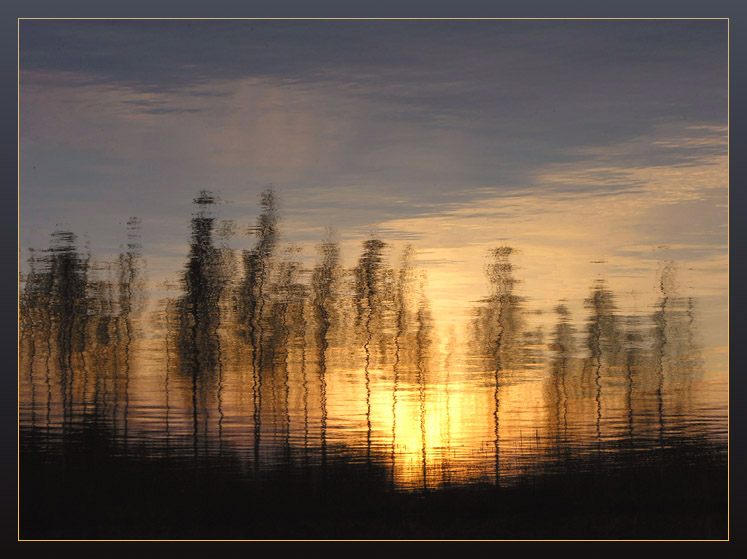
(275, 362)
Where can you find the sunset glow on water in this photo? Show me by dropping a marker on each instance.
(433, 255)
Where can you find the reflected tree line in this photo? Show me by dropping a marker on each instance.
(262, 312)
(635, 384)
(270, 313)
(78, 322)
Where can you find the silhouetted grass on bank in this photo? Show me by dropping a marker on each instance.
(92, 491)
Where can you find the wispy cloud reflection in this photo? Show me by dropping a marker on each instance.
(577, 228)
(528, 263)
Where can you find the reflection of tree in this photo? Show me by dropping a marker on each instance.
(602, 341)
(285, 329)
(602, 338)
(369, 292)
(673, 354)
(424, 339)
(68, 307)
(129, 298)
(496, 330)
(324, 283)
(403, 319)
(562, 348)
(84, 313)
(634, 368)
(498, 322)
(198, 310)
(252, 298)
(369, 288)
(258, 268)
(203, 283)
(35, 327)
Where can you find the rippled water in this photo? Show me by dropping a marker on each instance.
(259, 356)
(487, 296)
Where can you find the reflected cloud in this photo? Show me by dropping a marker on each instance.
(452, 278)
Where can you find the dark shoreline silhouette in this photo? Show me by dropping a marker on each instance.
(85, 489)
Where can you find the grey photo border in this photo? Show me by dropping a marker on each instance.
(734, 10)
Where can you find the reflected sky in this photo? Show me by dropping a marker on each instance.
(574, 141)
(596, 149)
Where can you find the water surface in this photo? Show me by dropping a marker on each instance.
(360, 272)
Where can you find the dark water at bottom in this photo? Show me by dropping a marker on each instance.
(90, 486)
